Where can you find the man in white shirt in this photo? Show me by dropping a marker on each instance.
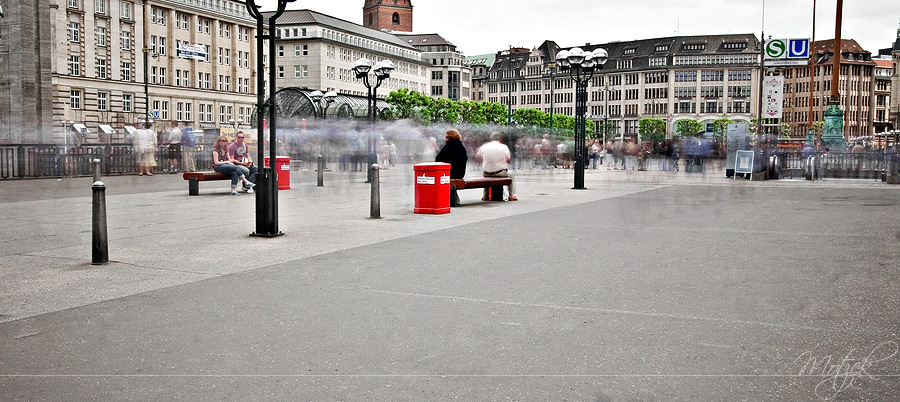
(495, 158)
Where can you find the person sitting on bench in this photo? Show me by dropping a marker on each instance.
(224, 164)
(495, 157)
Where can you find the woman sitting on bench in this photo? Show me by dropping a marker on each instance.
(223, 164)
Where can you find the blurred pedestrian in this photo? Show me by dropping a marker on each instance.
(454, 153)
(145, 149)
(595, 154)
(495, 158)
(188, 144)
(174, 140)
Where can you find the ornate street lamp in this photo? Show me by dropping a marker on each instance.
(266, 179)
(323, 100)
(382, 71)
(581, 66)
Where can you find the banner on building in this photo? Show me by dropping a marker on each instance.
(189, 51)
(773, 89)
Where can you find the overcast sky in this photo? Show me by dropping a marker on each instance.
(487, 26)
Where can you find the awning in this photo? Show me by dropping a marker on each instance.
(107, 129)
(81, 129)
(131, 130)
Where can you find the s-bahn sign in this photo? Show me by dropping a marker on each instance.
(787, 52)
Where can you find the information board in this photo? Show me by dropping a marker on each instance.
(744, 163)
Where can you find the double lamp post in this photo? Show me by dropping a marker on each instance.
(581, 66)
(382, 71)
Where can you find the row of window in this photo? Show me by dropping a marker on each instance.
(183, 110)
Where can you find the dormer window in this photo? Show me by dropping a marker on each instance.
(630, 50)
(662, 48)
(696, 47)
(735, 46)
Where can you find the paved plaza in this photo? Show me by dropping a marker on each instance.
(646, 286)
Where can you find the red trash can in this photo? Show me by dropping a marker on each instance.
(283, 170)
(432, 188)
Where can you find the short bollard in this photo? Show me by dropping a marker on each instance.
(320, 181)
(100, 240)
(96, 169)
(375, 207)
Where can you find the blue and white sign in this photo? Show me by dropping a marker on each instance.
(188, 51)
(787, 52)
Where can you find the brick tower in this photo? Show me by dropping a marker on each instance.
(395, 15)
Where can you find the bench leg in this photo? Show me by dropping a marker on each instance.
(193, 186)
(495, 193)
(454, 197)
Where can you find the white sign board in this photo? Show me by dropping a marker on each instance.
(424, 180)
(188, 51)
(773, 89)
(787, 52)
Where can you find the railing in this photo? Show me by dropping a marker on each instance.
(50, 160)
(868, 165)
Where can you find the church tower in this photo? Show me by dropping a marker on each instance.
(395, 15)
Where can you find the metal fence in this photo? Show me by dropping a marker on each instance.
(869, 165)
(49, 161)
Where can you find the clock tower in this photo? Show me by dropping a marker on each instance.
(395, 15)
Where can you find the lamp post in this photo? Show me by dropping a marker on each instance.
(552, 67)
(323, 100)
(581, 66)
(235, 123)
(267, 178)
(382, 71)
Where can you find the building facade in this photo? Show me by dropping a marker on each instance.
(881, 97)
(857, 89)
(689, 77)
(317, 52)
(480, 65)
(194, 59)
(451, 78)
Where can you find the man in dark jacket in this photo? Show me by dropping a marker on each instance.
(455, 154)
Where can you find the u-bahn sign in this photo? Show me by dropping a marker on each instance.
(787, 52)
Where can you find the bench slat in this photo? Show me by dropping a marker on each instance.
(206, 175)
(481, 182)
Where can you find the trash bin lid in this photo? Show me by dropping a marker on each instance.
(431, 166)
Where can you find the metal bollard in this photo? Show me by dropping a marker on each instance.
(320, 181)
(375, 207)
(96, 169)
(100, 240)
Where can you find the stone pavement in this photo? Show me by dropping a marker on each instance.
(645, 286)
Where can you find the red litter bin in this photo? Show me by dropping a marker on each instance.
(432, 188)
(283, 170)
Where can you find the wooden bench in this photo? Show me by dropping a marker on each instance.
(495, 184)
(194, 179)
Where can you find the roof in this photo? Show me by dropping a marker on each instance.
(424, 40)
(307, 17)
(823, 49)
(883, 63)
(481, 60)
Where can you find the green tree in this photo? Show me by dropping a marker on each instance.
(494, 113)
(652, 129)
(720, 126)
(687, 127)
(529, 117)
(471, 112)
(405, 102)
(441, 110)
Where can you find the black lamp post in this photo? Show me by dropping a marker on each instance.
(323, 100)
(267, 179)
(382, 71)
(581, 66)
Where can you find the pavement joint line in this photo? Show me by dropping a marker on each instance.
(689, 317)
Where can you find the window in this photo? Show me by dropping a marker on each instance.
(306, 51)
(101, 36)
(126, 71)
(227, 57)
(126, 40)
(280, 71)
(74, 65)
(162, 46)
(693, 47)
(127, 103)
(153, 74)
(102, 72)
(102, 101)
(280, 50)
(153, 44)
(162, 76)
(100, 6)
(75, 99)
(125, 10)
(222, 114)
(73, 3)
(296, 50)
(305, 71)
(74, 32)
(395, 19)
(185, 21)
(297, 72)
